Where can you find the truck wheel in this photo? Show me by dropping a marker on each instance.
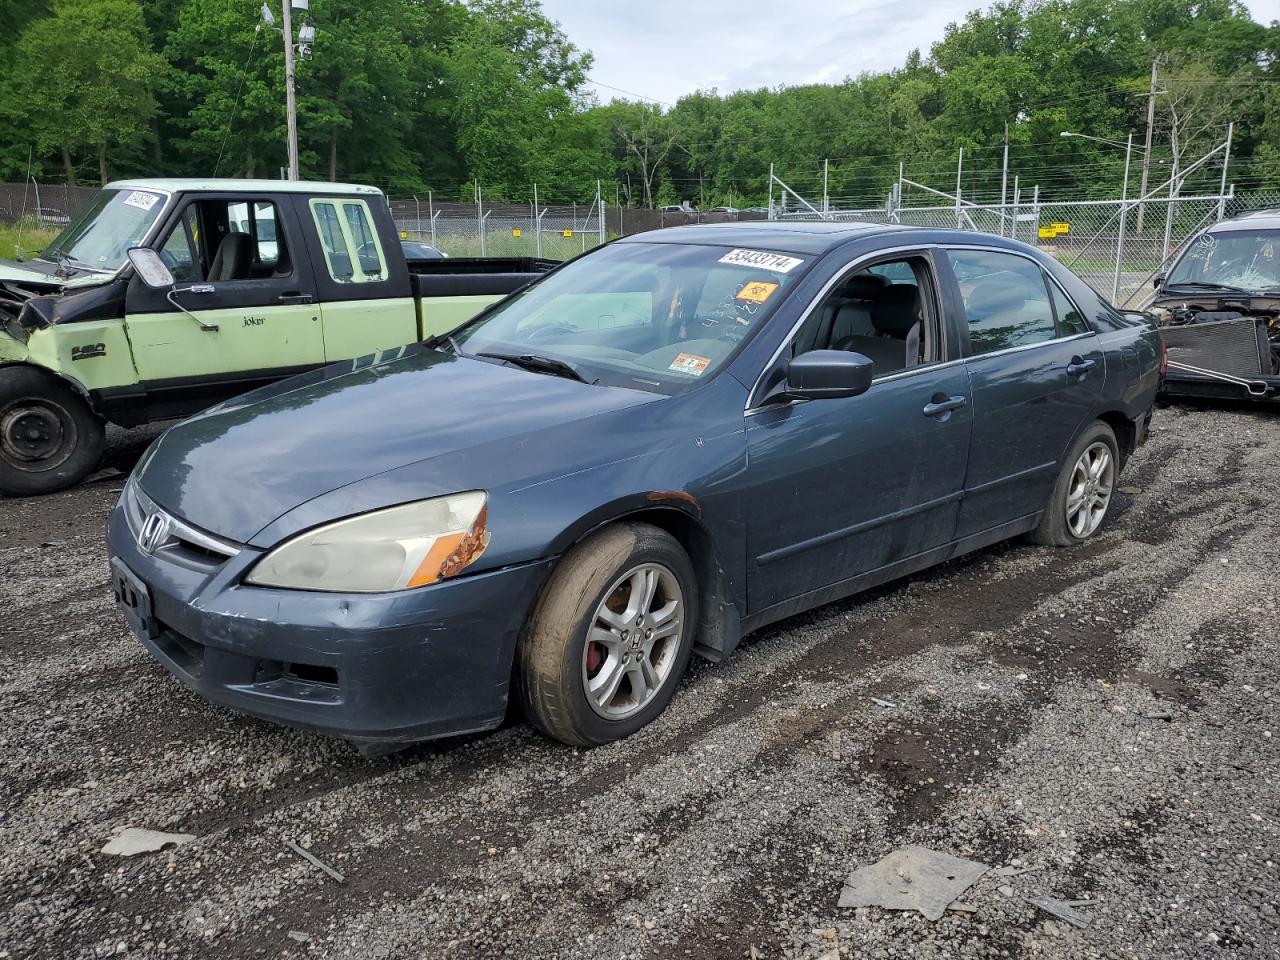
(1082, 494)
(610, 637)
(49, 438)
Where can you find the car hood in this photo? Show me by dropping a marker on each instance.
(43, 276)
(237, 467)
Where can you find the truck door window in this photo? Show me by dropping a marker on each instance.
(180, 251)
(262, 228)
(352, 251)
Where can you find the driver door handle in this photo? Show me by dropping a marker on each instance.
(1079, 367)
(937, 408)
(295, 296)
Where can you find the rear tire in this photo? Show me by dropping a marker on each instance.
(49, 438)
(1083, 491)
(610, 637)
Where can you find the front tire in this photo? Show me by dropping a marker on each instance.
(611, 636)
(1082, 494)
(49, 438)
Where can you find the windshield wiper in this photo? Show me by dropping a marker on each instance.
(1206, 285)
(529, 361)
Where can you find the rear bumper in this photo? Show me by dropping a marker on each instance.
(385, 668)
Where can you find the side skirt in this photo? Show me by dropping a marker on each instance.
(892, 571)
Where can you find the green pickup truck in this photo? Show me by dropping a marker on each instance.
(247, 281)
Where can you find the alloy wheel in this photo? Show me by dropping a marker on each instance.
(1089, 491)
(632, 641)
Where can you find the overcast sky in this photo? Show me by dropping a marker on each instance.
(745, 44)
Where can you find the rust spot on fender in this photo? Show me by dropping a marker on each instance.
(688, 498)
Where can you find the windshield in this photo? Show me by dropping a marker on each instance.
(653, 316)
(1246, 260)
(100, 237)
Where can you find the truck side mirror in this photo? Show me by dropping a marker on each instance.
(150, 268)
(1158, 282)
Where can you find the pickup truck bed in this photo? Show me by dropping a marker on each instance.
(450, 292)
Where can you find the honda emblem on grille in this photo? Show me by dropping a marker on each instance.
(155, 532)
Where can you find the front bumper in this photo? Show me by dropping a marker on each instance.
(375, 668)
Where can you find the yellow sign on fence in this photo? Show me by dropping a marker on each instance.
(516, 233)
(404, 234)
(568, 234)
(1047, 233)
(1062, 227)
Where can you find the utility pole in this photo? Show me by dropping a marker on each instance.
(1124, 215)
(290, 94)
(1146, 156)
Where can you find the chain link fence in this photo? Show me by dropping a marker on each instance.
(1119, 260)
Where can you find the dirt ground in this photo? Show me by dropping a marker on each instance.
(1107, 715)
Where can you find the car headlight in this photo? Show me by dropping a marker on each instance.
(394, 549)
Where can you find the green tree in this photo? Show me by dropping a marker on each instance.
(88, 78)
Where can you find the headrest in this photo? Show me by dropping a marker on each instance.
(865, 286)
(991, 297)
(897, 310)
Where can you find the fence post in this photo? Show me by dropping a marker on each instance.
(1017, 196)
(1124, 198)
(600, 212)
(537, 225)
(431, 213)
(959, 169)
(417, 218)
(771, 191)
(1226, 158)
(484, 247)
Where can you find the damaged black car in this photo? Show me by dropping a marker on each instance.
(1218, 311)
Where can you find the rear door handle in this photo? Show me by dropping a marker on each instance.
(1079, 367)
(943, 405)
(294, 296)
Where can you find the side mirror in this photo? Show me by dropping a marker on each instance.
(150, 268)
(1158, 282)
(828, 374)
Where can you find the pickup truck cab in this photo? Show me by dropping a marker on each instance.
(269, 278)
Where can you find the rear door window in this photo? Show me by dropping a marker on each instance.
(1006, 301)
(352, 250)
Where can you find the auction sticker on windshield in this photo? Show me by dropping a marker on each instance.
(691, 364)
(776, 262)
(139, 199)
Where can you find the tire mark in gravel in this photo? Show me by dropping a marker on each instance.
(973, 741)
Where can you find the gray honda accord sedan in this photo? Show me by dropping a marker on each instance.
(658, 447)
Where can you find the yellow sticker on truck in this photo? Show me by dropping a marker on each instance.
(762, 259)
(756, 291)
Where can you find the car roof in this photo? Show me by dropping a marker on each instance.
(797, 236)
(239, 185)
(1266, 218)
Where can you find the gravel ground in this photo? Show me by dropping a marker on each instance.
(1020, 681)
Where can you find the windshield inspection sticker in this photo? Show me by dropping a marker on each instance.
(139, 199)
(763, 259)
(756, 291)
(691, 364)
